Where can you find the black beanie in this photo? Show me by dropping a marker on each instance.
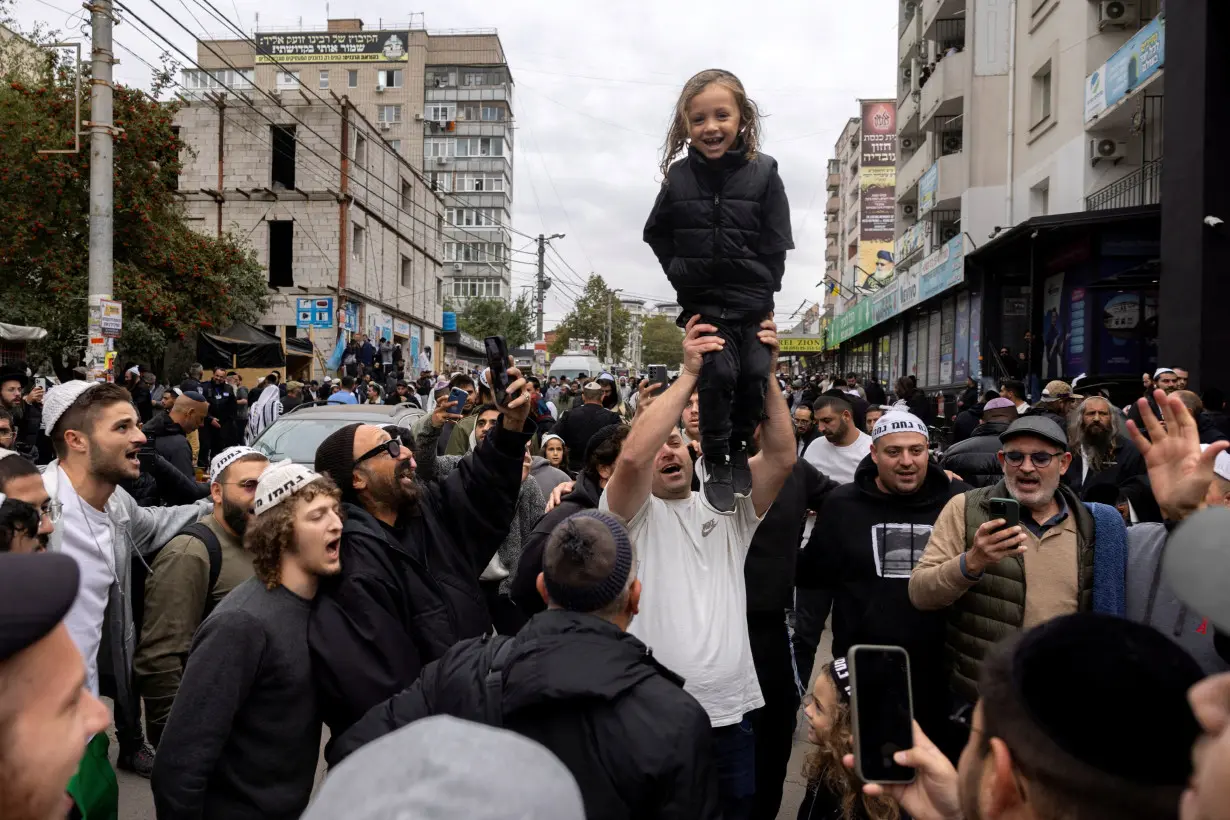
(601, 435)
(335, 458)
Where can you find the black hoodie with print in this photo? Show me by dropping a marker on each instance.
(863, 547)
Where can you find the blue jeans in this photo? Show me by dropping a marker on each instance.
(734, 756)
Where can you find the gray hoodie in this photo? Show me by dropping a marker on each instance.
(1151, 601)
(445, 768)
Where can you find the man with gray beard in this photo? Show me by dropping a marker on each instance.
(189, 576)
(1102, 454)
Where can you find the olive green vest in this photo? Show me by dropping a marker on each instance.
(994, 608)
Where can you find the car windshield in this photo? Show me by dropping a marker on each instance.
(297, 439)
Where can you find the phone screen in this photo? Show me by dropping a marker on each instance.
(883, 712)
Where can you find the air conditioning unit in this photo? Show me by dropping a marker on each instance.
(1117, 14)
(909, 209)
(948, 233)
(379, 88)
(442, 160)
(951, 144)
(1107, 149)
(418, 116)
(277, 92)
(457, 267)
(385, 126)
(908, 143)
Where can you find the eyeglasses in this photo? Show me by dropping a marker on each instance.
(392, 447)
(248, 486)
(6, 433)
(1040, 460)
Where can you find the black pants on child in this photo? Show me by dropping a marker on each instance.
(732, 386)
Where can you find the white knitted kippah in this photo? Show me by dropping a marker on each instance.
(59, 398)
(897, 421)
(279, 482)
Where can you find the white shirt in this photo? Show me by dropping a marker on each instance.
(87, 538)
(693, 612)
(838, 463)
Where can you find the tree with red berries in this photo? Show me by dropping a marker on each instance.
(172, 279)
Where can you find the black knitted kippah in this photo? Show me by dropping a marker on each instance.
(335, 458)
(580, 549)
(599, 436)
(1088, 680)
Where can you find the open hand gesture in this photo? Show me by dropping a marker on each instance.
(1179, 472)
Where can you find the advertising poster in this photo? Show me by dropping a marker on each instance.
(1077, 360)
(877, 186)
(911, 351)
(1127, 69)
(928, 187)
(975, 336)
(1053, 331)
(947, 329)
(333, 47)
(415, 342)
(933, 349)
(960, 371)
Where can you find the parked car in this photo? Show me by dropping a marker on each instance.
(297, 434)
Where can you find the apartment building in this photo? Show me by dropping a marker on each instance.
(1028, 177)
(632, 353)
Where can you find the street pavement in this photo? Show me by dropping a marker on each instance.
(136, 802)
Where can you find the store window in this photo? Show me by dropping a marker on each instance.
(933, 349)
(947, 339)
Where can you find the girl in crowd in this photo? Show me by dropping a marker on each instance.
(555, 452)
(833, 791)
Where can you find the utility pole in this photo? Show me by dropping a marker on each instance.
(101, 266)
(543, 283)
(610, 299)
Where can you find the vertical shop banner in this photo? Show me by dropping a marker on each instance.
(1077, 361)
(947, 339)
(1053, 328)
(933, 349)
(960, 371)
(877, 187)
(911, 350)
(975, 336)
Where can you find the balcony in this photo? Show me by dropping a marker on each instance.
(909, 174)
(943, 95)
(907, 42)
(934, 10)
(833, 182)
(953, 181)
(832, 205)
(830, 252)
(1141, 187)
(907, 114)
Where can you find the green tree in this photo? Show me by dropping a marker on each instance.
(172, 280)
(560, 345)
(588, 318)
(495, 317)
(661, 342)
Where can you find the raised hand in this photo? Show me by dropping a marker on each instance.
(697, 341)
(1179, 472)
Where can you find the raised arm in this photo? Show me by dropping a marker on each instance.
(775, 461)
(630, 484)
(659, 234)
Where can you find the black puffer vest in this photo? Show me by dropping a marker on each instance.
(994, 608)
(713, 225)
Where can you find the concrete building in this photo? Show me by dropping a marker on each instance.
(350, 239)
(671, 309)
(1028, 177)
(632, 353)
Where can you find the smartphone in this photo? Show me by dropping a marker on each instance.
(459, 397)
(882, 708)
(497, 362)
(1007, 509)
(657, 375)
(40, 382)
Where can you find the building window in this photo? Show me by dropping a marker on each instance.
(441, 181)
(493, 113)
(480, 147)
(407, 272)
(288, 79)
(473, 252)
(352, 78)
(480, 182)
(281, 253)
(437, 147)
(356, 248)
(407, 195)
(441, 113)
(478, 288)
(360, 150)
(472, 217)
(324, 78)
(389, 78)
(439, 290)
(468, 112)
(282, 163)
(1041, 93)
(474, 79)
(388, 113)
(396, 146)
(1040, 198)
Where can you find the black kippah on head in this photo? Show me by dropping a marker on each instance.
(578, 544)
(1112, 694)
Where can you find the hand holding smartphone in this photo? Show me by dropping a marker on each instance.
(658, 376)
(459, 398)
(1008, 509)
(882, 712)
(498, 364)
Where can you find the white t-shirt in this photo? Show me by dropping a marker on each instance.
(87, 538)
(838, 463)
(693, 612)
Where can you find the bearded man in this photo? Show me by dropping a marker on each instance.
(1102, 454)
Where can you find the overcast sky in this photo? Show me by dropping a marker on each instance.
(595, 87)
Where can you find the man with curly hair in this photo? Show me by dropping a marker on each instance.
(243, 736)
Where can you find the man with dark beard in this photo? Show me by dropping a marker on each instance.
(412, 556)
(190, 575)
(1102, 454)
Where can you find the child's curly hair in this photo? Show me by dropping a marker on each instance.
(824, 768)
(273, 532)
(749, 115)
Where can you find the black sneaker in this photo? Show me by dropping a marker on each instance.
(741, 478)
(718, 489)
(140, 762)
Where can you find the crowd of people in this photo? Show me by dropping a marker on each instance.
(604, 598)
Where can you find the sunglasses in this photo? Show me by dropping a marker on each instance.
(1041, 460)
(392, 447)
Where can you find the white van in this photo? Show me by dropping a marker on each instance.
(572, 365)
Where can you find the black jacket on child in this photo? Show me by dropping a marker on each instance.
(638, 744)
(721, 230)
(863, 547)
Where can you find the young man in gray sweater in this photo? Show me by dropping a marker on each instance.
(243, 736)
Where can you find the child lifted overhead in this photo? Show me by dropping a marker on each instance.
(721, 229)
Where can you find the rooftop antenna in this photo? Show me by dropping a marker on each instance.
(256, 26)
